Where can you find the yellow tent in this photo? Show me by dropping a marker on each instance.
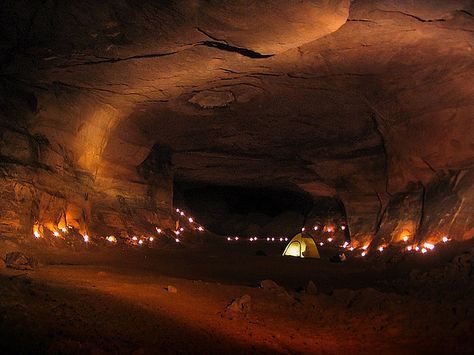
(303, 247)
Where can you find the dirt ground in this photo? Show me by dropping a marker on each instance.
(117, 300)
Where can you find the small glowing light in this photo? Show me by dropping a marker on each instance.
(176, 232)
(158, 230)
(286, 239)
(229, 238)
(364, 253)
(445, 239)
(236, 238)
(181, 229)
(273, 239)
(303, 229)
(177, 240)
(321, 243)
(182, 213)
(417, 248)
(365, 247)
(268, 239)
(409, 248)
(70, 227)
(330, 230)
(190, 220)
(177, 210)
(405, 238)
(36, 234)
(251, 239)
(345, 244)
(329, 240)
(343, 227)
(111, 239)
(429, 246)
(423, 250)
(380, 249)
(140, 242)
(255, 238)
(86, 238)
(56, 234)
(134, 238)
(151, 239)
(351, 248)
(200, 229)
(64, 230)
(315, 228)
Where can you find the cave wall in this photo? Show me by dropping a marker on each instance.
(370, 102)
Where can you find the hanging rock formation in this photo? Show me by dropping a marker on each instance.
(104, 104)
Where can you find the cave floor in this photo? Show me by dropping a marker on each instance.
(116, 301)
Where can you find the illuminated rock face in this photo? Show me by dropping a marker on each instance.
(367, 101)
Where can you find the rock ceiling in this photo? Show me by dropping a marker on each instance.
(360, 100)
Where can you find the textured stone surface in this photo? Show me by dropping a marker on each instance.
(357, 100)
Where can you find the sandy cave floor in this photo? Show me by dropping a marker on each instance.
(115, 301)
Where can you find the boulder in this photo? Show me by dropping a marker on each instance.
(311, 288)
(19, 261)
(171, 289)
(240, 305)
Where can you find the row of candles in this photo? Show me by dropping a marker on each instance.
(135, 240)
(422, 248)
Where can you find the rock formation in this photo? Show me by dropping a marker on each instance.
(105, 104)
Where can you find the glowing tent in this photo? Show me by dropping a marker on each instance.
(301, 246)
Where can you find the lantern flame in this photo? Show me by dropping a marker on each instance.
(429, 246)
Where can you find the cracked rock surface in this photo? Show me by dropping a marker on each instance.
(368, 101)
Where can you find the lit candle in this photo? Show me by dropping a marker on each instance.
(86, 238)
(429, 246)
